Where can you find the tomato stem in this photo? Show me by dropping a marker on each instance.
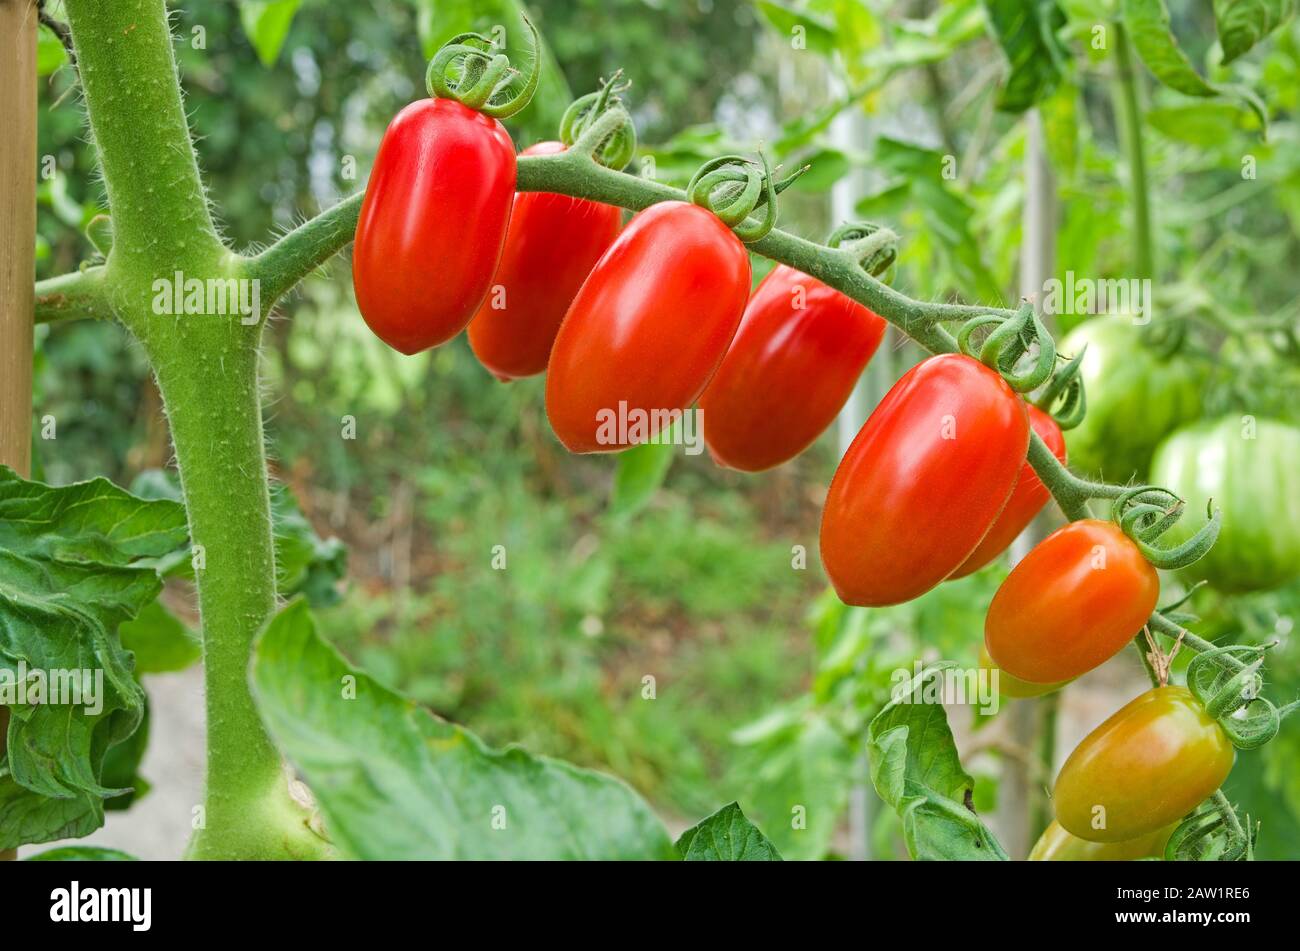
(206, 364)
(1041, 816)
(1129, 119)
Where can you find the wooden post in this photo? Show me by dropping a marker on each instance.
(17, 241)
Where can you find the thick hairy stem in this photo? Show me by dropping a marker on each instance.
(216, 424)
(128, 75)
(206, 365)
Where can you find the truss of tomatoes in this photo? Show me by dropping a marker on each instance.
(658, 315)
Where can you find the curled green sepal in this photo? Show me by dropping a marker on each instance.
(1232, 695)
(1146, 512)
(614, 141)
(1010, 339)
(1063, 398)
(873, 247)
(1208, 835)
(468, 69)
(1003, 348)
(99, 231)
(966, 333)
(735, 188)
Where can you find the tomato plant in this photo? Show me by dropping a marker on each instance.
(633, 328)
(1152, 762)
(1072, 603)
(923, 481)
(1251, 468)
(648, 328)
(800, 349)
(433, 223)
(551, 246)
(1136, 396)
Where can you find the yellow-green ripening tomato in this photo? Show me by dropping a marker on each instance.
(1251, 469)
(1150, 764)
(1014, 687)
(1135, 398)
(1057, 845)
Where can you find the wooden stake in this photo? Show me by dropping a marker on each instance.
(17, 242)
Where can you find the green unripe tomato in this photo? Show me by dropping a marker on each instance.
(1251, 469)
(1013, 687)
(1135, 398)
(1057, 845)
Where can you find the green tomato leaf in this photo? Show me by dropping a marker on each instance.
(74, 564)
(1243, 23)
(81, 853)
(1027, 32)
(916, 770)
(1148, 24)
(726, 836)
(266, 23)
(800, 28)
(160, 641)
(919, 183)
(305, 563)
(1210, 124)
(50, 54)
(641, 471)
(827, 166)
(801, 768)
(395, 782)
(871, 62)
(122, 766)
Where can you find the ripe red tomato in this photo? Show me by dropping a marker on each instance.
(551, 246)
(648, 328)
(800, 349)
(923, 481)
(1027, 499)
(1057, 845)
(432, 223)
(1082, 594)
(1151, 763)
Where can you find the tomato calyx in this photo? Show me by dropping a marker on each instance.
(1063, 397)
(1213, 832)
(1231, 693)
(614, 139)
(1008, 340)
(874, 248)
(1146, 512)
(469, 69)
(741, 192)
